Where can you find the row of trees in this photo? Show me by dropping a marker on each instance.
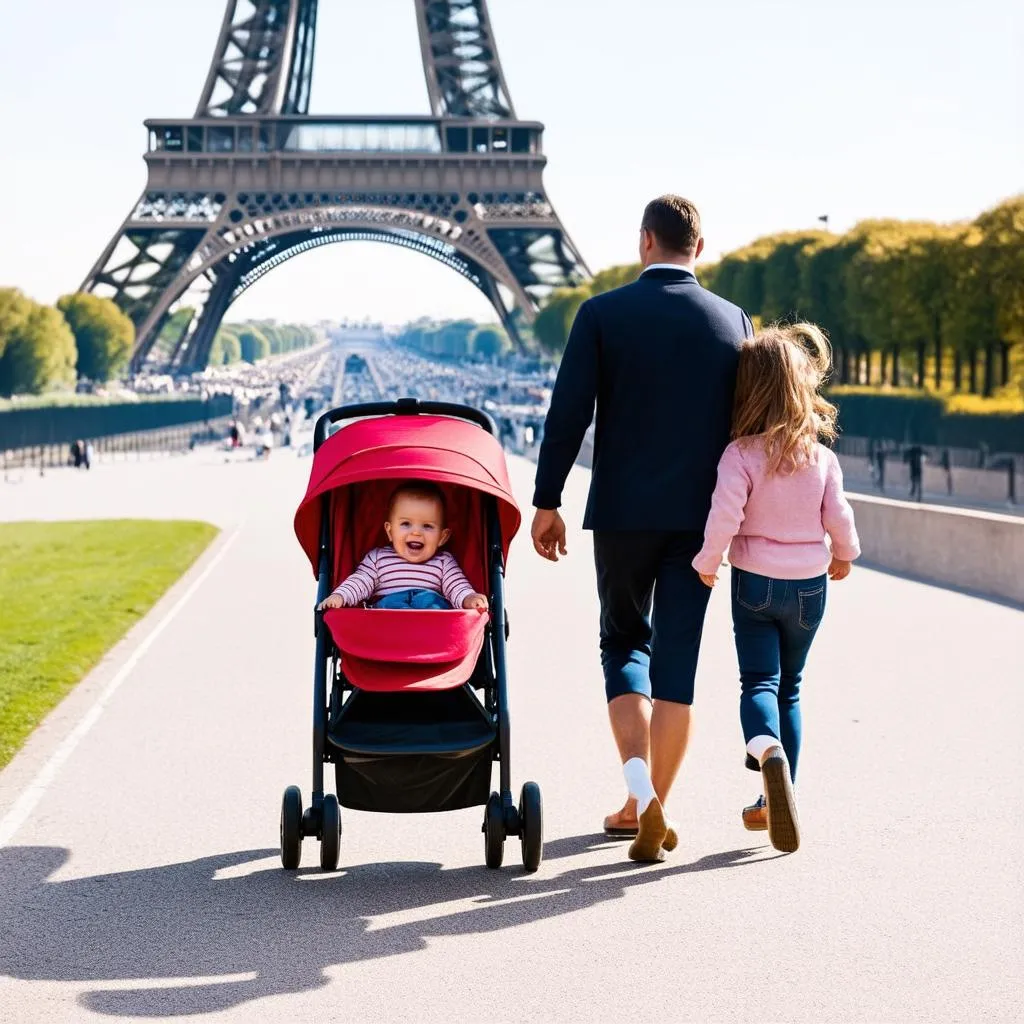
(44, 347)
(905, 303)
(256, 339)
(457, 339)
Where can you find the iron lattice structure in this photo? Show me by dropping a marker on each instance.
(253, 179)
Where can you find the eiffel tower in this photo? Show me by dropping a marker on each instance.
(253, 179)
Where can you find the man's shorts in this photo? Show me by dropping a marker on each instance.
(645, 651)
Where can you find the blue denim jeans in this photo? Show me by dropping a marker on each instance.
(775, 622)
(419, 599)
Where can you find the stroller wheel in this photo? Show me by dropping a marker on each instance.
(291, 828)
(494, 832)
(330, 833)
(531, 825)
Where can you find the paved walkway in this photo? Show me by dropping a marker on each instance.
(144, 883)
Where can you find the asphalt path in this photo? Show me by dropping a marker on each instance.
(139, 874)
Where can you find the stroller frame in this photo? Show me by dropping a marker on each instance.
(322, 818)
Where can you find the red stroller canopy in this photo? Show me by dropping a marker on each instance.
(357, 469)
(360, 465)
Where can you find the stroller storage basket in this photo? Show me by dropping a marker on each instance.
(411, 752)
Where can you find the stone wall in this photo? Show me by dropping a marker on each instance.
(979, 551)
(973, 550)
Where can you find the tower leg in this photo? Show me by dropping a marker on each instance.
(197, 352)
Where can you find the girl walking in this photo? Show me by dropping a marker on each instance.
(779, 492)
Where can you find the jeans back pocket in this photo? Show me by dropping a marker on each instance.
(754, 592)
(812, 606)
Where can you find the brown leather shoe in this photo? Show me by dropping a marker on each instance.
(629, 832)
(653, 830)
(755, 817)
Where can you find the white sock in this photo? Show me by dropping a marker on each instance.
(757, 747)
(638, 780)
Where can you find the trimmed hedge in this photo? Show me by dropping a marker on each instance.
(21, 428)
(924, 419)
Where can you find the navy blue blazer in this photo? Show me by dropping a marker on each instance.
(658, 358)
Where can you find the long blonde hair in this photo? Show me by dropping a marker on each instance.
(780, 372)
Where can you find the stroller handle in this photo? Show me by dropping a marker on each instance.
(401, 407)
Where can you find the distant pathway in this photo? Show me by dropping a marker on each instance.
(145, 883)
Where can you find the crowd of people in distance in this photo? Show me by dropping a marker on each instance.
(276, 401)
(516, 392)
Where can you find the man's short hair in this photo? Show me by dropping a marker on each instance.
(674, 222)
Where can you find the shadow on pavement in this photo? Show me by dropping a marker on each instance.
(167, 927)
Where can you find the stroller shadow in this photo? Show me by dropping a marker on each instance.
(179, 936)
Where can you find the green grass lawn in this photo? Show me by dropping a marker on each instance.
(68, 593)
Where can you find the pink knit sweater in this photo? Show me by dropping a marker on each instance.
(776, 525)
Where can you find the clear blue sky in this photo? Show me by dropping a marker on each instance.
(766, 112)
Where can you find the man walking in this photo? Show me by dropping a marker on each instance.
(915, 456)
(658, 358)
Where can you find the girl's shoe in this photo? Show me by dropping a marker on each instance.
(783, 825)
(755, 817)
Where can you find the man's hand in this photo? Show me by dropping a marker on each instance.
(708, 581)
(548, 534)
(839, 569)
(477, 601)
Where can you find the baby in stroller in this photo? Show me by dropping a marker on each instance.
(413, 572)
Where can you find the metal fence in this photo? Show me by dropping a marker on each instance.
(972, 475)
(56, 425)
(113, 448)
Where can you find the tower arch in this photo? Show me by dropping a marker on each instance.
(463, 184)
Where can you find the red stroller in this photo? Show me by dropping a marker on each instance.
(411, 706)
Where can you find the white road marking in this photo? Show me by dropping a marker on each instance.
(36, 789)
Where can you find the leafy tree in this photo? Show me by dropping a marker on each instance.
(707, 274)
(553, 323)
(15, 308)
(1000, 252)
(226, 348)
(454, 338)
(1002, 256)
(40, 353)
(926, 299)
(489, 342)
(276, 336)
(740, 275)
(889, 293)
(254, 344)
(822, 297)
(974, 316)
(103, 335)
(781, 293)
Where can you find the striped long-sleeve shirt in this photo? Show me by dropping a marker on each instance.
(384, 572)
